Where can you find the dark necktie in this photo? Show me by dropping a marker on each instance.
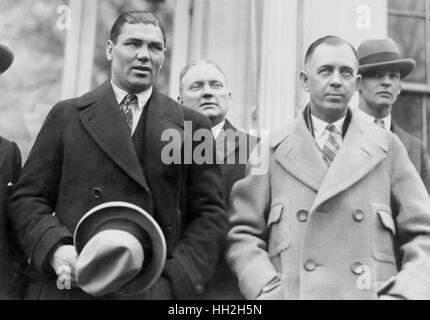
(128, 104)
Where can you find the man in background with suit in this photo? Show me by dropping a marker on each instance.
(11, 256)
(107, 146)
(204, 87)
(341, 212)
(382, 70)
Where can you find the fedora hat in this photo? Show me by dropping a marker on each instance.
(382, 53)
(6, 58)
(121, 249)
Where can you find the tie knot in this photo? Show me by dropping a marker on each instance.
(331, 128)
(380, 122)
(130, 99)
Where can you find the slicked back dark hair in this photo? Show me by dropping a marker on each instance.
(330, 40)
(135, 17)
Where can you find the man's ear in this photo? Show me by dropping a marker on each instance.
(358, 82)
(164, 58)
(400, 89)
(109, 48)
(304, 78)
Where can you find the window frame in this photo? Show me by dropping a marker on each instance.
(416, 87)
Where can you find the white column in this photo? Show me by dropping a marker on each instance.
(223, 31)
(79, 50)
(279, 74)
(180, 44)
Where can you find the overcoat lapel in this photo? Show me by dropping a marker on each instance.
(360, 152)
(402, 135)
(297, 152)
(101, 117)
(299, 155)
(3, 151)
(226, 144)
(162, 117)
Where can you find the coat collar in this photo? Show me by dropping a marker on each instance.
(3, 151)
(297, 152)
(100, 114)
(100, 117)
(363, 147)
(226, 144)
(402, 134)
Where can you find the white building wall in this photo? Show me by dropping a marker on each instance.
(260, 44)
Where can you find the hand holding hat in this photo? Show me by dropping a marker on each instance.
(64, 260)
(121, 249)
(6, 58)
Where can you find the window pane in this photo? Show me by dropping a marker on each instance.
(401, 30)
(407, 113)
(408, 5)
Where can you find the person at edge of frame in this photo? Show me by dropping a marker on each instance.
(382, 70)
(12, 260)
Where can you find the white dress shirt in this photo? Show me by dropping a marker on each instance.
(371, 119)
(216, 130)
(142, 99)
(321, 133)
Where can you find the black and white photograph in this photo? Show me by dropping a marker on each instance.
(221, 153)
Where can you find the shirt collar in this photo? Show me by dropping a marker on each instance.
(216, 130)
(142, 97)
(319, 125)
(371, 119)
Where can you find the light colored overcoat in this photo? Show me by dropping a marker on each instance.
(359, 230)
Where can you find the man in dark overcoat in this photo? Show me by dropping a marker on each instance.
(12, 283)
(204, 87)
(382, 70)
(107, 146)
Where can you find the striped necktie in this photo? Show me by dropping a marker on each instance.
(126, 107)
(331, 146)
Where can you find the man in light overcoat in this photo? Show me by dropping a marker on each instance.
(341, 213)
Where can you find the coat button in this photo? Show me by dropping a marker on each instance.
(97, 192)
(357, 267)
(358, 215)
(302, 215)
(199, 288)
(310, 265)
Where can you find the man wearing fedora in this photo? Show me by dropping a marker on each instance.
(382, 69)
(107, 146)
(11, 280)
(341, 212)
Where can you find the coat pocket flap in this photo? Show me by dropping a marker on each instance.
(275, 215)
(387, 220)
(279, 238)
